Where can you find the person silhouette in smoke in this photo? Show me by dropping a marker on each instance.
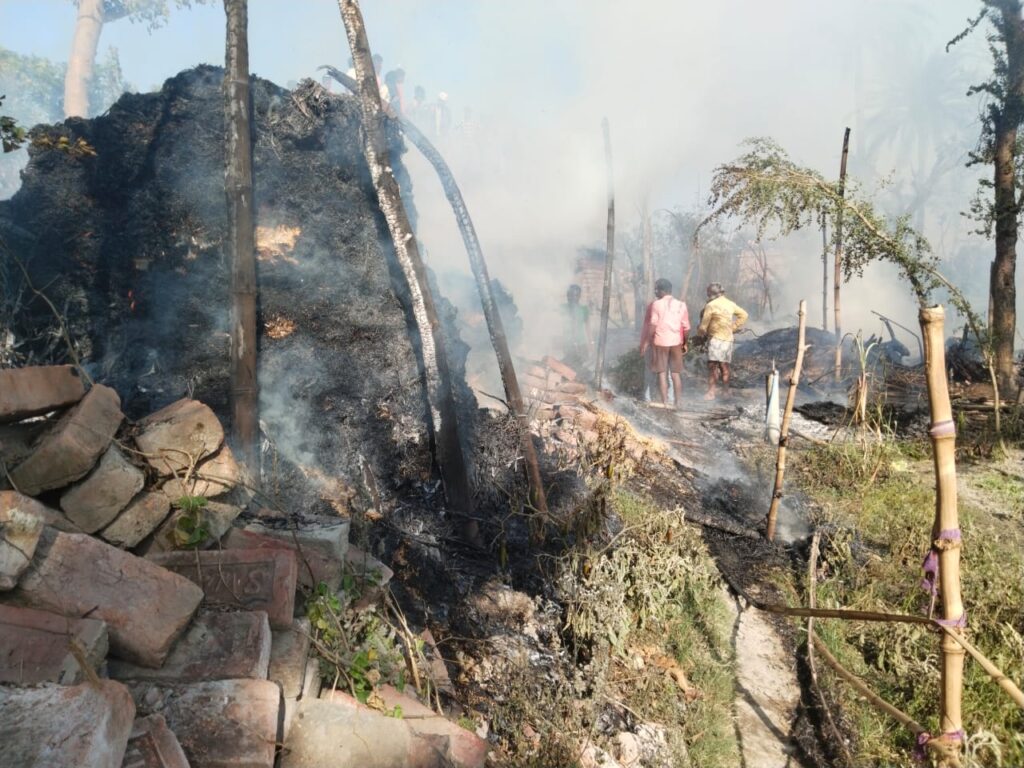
(719, 320)
(663, 339)
(576, 339)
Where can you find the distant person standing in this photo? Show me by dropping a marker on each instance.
(663, 339)
(719, 321)
(576, 340)
(394, 81)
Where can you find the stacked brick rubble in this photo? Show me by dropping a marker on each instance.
(140, 623)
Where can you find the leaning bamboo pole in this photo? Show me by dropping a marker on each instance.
(946, 537)
(787, 416)
(478, 264)
(837, 269)
(440, 393)
(609, 257)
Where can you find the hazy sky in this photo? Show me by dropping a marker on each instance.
(682, 82)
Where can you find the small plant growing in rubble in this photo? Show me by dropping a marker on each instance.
(357, 647)
(190, 530)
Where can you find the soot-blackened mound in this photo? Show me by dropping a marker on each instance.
(129, 245)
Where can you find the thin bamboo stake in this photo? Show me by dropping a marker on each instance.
(946, 537)
(951, 758)
(993, 671)
(609, 256)
(787, 416)
(824, 271)
(837, 269)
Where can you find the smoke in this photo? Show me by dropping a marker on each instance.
(682, 84)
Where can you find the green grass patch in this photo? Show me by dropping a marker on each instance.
(876, 509)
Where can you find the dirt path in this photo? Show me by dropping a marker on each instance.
(767, 692)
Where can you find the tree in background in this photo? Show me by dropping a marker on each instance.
(92, 15)
(998, 146)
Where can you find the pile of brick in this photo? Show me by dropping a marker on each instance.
(120, 648)
(548, 384)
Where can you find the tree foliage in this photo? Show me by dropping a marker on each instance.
(765, 189)
(153, 13)
(11, 134)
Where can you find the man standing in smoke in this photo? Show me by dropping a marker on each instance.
(576, 339)
(664, 334)
(719, 320)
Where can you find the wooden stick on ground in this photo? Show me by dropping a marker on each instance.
(812, 583)
(787, 416)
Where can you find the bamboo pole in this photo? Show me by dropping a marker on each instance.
(241, 237)
(647, 265)
(443, 412)
(478, 264)
(824, 271)
(609, 256)
(787, 416)
(946, 529)
(837, 269)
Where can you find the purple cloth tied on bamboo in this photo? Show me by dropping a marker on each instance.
(920, 750)
(943, 429)
(930, 566)
(953, 623)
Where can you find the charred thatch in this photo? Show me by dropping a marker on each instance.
(128, 244)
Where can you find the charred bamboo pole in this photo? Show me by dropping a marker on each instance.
(435, 362)
(477, 262)
(837, 269)
(946, 537)
(241, 239)
(787, 417)
(609, 257)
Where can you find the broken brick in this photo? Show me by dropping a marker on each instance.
(35, 390)
(559, 367)
(219, 724)
(217, 646)
(214, 517)
(213, 477)
(12, 499)
(19, 534)
(35, 646)
(153, 745)
(177, 437)
(82, 725)
(70, 448)
(250, 579)
(320, 552)
(93, 502)
(145, 607)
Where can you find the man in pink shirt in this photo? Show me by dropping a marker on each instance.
(664, 333)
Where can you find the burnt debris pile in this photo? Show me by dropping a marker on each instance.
(127, 247)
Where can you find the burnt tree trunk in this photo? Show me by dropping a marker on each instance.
(84, 43)
(837, 268)
(609, 257)
(1007, 205)
(240, 244)
(439, 382)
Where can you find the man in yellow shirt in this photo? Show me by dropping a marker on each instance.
(719, 320)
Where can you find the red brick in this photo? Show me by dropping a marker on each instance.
(217, 646)
(145, 607)
(61, 727)
(51, 517)
(215, 517)
(250, 579)
(96, 500)
(572, 388)
(213, 477)
(319, 557)
(35, 646)
(70, 448)
(153, 745)
(19, 534)
(220, 724)
(36, 390)
(559, 367)
(174, 437)
(139, 519)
